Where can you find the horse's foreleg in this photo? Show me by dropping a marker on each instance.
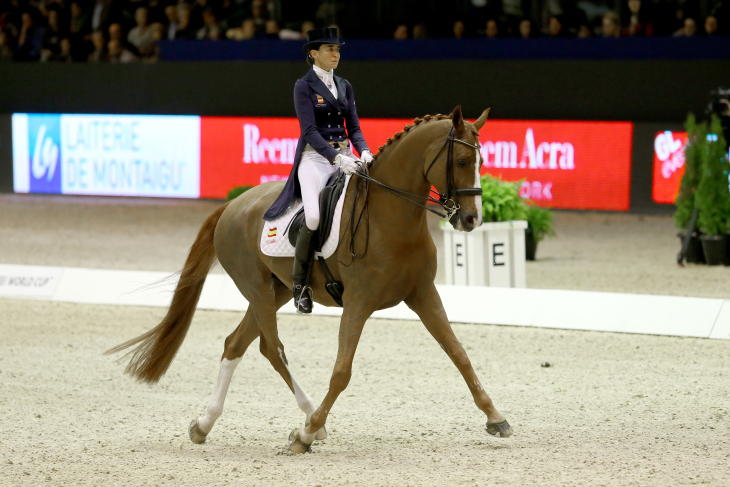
(351, 326)
(236, 345)
(427, 304)
(272, 348)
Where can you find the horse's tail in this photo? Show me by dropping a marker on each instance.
(157, 348)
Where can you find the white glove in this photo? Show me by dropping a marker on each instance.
(346, 163)
(366, 157)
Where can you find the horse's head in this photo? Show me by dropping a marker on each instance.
(463, 174)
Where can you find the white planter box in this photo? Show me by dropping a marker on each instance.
(491, 255)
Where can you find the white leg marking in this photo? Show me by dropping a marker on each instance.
(304, 402)
(215, 406)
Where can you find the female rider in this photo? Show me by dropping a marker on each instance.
(325, 105)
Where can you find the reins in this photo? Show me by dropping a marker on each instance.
(445, 200)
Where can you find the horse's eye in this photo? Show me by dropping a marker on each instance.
(462, 162)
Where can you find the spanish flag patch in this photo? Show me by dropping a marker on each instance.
(319, 99)
(272, 232)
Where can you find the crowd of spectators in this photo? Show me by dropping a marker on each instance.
(128, 30)
(592, 18)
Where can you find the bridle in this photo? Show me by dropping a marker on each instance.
(445, 200)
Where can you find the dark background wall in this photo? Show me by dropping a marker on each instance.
(640, 91)
(656, 95)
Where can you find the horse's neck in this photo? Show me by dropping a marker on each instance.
(402, 166)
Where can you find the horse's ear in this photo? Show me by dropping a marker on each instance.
(479, 123)
(457, 119)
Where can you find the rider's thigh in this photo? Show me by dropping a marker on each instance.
(314, 171)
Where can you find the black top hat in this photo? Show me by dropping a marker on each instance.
(325, 35)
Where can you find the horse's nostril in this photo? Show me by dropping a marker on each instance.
(471, 220)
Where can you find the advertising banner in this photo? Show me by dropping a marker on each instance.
(668, 165)
(579, 165)
(576, 165)
(116, 155)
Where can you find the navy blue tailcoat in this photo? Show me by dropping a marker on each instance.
(322, 120)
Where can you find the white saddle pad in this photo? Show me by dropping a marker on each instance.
(276, 244)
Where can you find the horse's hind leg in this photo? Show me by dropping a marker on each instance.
(236, 345)
(427, 305)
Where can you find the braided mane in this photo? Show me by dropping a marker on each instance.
(402, 133)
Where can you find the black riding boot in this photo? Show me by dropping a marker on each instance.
(302, 260)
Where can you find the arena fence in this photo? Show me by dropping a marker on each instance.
(543, 308)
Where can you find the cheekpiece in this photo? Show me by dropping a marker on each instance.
(325, 35)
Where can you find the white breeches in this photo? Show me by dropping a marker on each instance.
(314, 171)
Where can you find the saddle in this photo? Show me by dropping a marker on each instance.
(328, 198)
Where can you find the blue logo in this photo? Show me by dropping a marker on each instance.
(44, 139)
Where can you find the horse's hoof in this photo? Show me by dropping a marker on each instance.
(500, 430)
(295, 442)
(196, 434)
(321, 434)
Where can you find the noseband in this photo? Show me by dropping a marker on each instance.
(445, 200)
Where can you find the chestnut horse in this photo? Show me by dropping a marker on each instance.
(380, 269)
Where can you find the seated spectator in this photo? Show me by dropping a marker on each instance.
(99, 54)
(210, 23)
(141, 35)
(272, 29)
(584, 31)
(184, 30)
(307, 25)
(115, 33)
(556, 27)
(688, 29)
(120, 54)
(171, 14)
(711, 25)
(158, 33)
(459, 30)
(289, 33)
(401, 32)
(6, 50)
(492, 29)
(611, 25)
(259, 15)
(420, 31)
(51, 41)
(64, 55)
(638, 22)
(243, 33)
(525, 29)
(79, 23)
(29, 39)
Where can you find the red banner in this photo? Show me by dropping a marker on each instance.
(578, 165)
(668, 165)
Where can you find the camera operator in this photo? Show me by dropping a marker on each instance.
(720, 106)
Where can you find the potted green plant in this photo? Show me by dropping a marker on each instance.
(236, 192)
(539, 226)
(712, 197)
(685, 201)
(501, 201)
